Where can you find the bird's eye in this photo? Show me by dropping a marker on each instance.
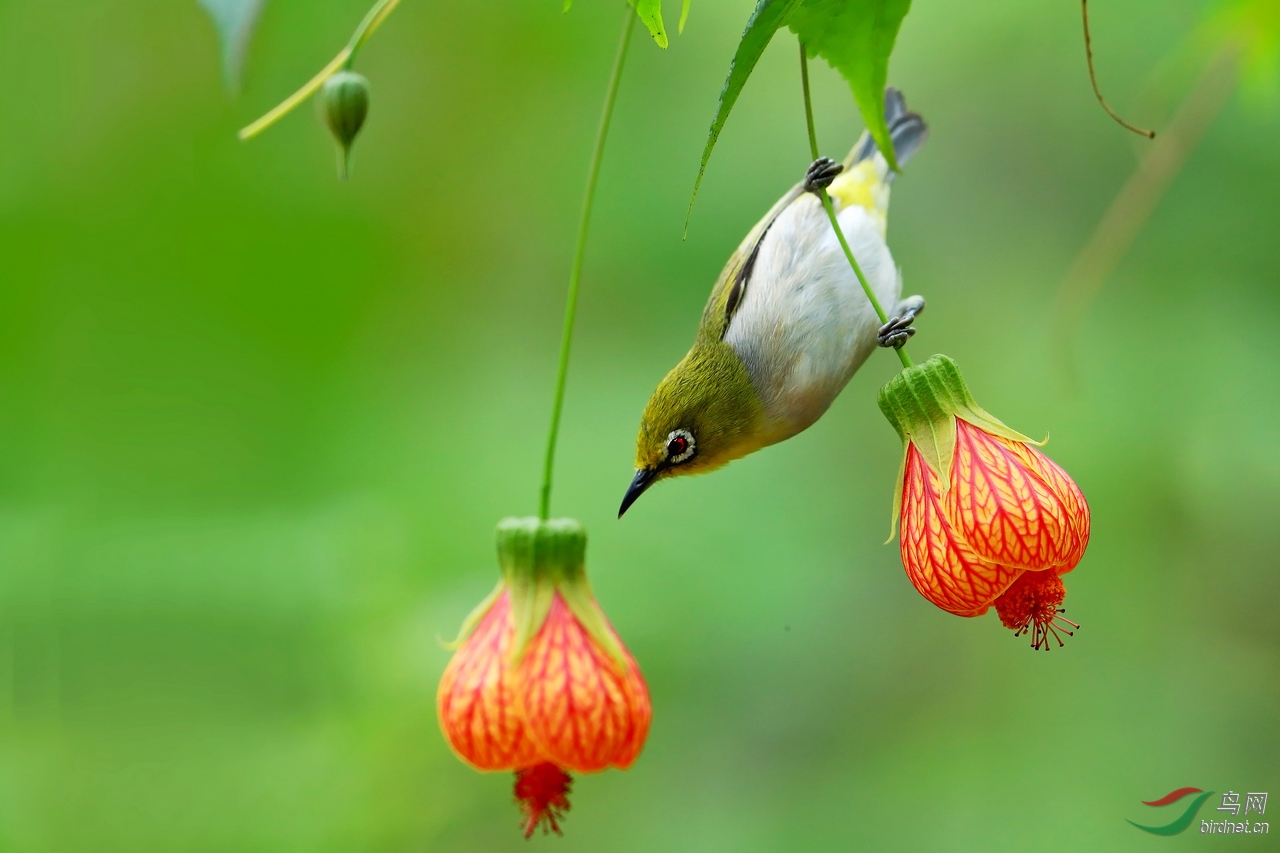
(680, 446)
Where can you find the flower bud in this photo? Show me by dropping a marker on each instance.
(986, 518)
(540, 683)
(345, 99)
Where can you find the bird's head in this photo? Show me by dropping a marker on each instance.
(704, 413)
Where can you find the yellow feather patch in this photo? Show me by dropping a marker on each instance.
(862, 186)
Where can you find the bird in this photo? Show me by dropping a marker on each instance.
(787, 324)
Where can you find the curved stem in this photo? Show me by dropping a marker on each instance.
(1128, 212)
(579, 252)
(372, 20)
(1093, 78)
(831, 212)
(288, 104)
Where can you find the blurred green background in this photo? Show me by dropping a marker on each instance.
(257, 426)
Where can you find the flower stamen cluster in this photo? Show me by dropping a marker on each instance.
(1031, 605)
(542, 792)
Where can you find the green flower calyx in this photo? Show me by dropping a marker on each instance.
(923, 402)
(538, 559)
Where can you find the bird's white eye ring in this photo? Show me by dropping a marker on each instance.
(680, 446)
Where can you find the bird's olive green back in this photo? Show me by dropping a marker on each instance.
(730, 287)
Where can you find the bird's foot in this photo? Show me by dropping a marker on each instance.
(899, 330)
(820, 174)
(896, 332)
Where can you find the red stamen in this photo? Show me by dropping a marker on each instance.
(543, 794)
(1031, 605)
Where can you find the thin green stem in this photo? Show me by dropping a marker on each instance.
(369, 25)
(808, 107)
(372, 20)
(831, 211)
(579, 252)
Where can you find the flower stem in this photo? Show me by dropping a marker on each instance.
(831, 212)
(575, 272)
(372, 20)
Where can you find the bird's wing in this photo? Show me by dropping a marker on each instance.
(727, 294)
(865, 183)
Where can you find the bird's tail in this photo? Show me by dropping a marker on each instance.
(907, 130)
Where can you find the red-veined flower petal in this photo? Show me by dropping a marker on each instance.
(476, 700)
(1073, 502)
(937, 557)
(1007, 500)
(584, 710)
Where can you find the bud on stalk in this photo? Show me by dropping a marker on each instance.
(345, 100)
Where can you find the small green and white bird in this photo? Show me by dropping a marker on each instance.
(787, 324)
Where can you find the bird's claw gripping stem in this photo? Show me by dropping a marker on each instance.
(899, 330)
(820, 174)
(896, 332)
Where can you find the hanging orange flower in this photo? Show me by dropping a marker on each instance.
(986, 518)
(540, 683)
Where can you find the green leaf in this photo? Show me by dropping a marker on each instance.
(650, 12)
(856, 37)
(235, 20)
(768, 16)
(684, 15)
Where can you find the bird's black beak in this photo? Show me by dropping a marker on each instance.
(643, 479)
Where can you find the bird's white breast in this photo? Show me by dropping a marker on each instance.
(804, 325)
